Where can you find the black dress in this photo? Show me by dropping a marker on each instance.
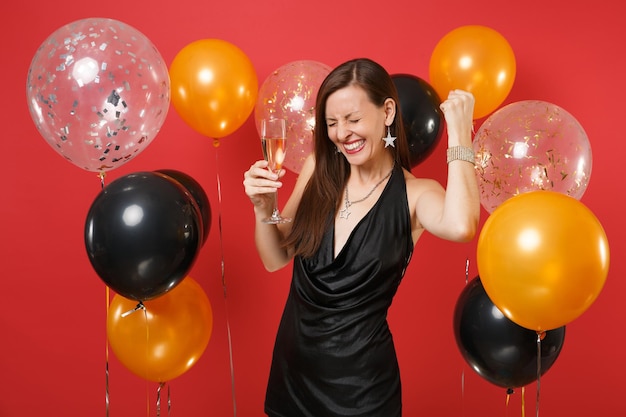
(334, 353)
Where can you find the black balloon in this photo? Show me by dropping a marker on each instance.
(142, 235)
(499, 350)
(197, 193)
(421, 115)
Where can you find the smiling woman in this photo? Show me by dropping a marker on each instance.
(53, 303)
(334, 354)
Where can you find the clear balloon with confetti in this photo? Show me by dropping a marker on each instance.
(527, 146)
(290, 92)
(98, 92)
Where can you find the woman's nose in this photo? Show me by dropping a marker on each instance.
(342, 131)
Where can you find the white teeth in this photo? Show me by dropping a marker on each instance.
(353, 146)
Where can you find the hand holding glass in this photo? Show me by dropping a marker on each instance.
(273, 138)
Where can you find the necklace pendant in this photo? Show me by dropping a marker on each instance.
(344, 214)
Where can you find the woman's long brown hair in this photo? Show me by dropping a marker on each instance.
(322, 195)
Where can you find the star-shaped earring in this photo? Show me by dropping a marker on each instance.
(389, 140)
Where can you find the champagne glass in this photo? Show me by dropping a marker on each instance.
(273, 139)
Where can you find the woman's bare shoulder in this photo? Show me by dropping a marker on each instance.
(417, 187)
(419, 184)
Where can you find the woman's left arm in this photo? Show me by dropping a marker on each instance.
(453, 213)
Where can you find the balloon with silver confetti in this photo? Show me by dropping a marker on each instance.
(290, 93)
(98, 91)
(527, 146)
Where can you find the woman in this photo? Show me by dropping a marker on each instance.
(357, 213)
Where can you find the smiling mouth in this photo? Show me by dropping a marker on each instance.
(354, 146)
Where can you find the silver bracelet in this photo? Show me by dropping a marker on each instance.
(460, 153)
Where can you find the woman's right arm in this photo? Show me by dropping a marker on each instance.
(260, 185)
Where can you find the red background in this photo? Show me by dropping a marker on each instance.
(52, 305)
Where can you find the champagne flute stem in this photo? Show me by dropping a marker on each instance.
(275, 212)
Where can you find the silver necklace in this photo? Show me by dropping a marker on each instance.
(345, 213)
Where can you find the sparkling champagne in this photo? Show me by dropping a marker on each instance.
(273, 137)
(274, 151)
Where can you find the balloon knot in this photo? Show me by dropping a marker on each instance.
(139, 306)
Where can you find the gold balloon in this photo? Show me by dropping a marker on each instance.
(214, 86)
(477, 59)
(543, 258)
(167, 337)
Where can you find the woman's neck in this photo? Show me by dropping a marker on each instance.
(371, 172)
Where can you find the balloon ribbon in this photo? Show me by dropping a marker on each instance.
(158, 401)
(463, 371)
(230, 344)
(106, 357)
(102, 175)
(540, 336)
(139, 306)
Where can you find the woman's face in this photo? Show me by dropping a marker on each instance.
(355, 125)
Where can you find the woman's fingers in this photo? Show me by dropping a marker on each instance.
(258, 181)
(458, 99)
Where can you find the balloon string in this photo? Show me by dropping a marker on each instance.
(463, 392)
(224, 288)
(169, 400)
(140, 306)
(509, 391)
(158, 400)
(102, 175)
(106, 356)
(463, 371)
(466, 270)
(147, 398)
(523, 401)
(540, 335)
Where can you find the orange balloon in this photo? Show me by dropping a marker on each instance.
(543, 258)
(477, 59)
(166, 338)
(214, 86)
